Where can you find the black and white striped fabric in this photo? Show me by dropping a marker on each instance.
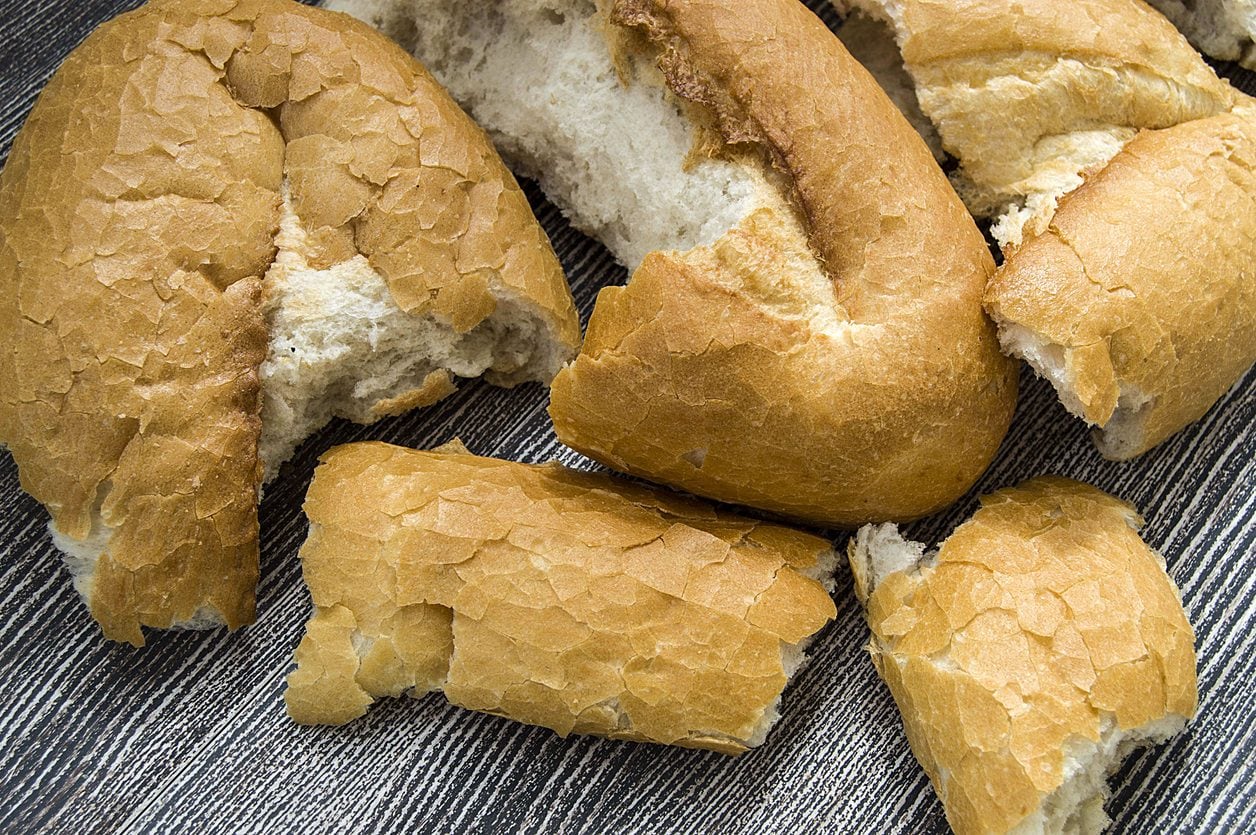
(190, 735)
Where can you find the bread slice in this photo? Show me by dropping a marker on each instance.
(568, 600)
(800, 333)
(1032, 95)
(149, 334)
(1224, 29)
(1029, 654)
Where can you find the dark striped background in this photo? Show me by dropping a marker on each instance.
(189, 734)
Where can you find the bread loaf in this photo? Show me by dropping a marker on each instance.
(563, 599)
(802, 330)
(1029, 654)
(149, 333)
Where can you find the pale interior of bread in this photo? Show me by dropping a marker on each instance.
(339, 345)
(793, 657)
(1123, 433)
(538, 75)
(1076, 806)
(1224, 29)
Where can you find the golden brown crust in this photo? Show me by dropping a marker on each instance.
(137, 212)
(711, 371)
(1144, 279)
(563, 599)
(1042, 619)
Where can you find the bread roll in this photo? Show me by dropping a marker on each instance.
(1139, 302)
(1030, 95)
(143, 305)
(1039, 645)
(563, 599)
(802, 330)
(1224, 29)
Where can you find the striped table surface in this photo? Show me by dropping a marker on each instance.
(189, 734)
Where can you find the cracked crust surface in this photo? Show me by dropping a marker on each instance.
(1037, 623)
(137, 216)
(1143, 281)
(1029, 96)
(717, 371)
(569, 600)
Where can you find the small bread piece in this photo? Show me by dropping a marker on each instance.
(1030, 95)
(1039, 645)
(801, 332)
(139, 282)
(569, 600)
(1224, 29)
(1138, 303)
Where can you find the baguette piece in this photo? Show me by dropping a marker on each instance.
(802, 332)
(1039, 645)
(1224, 29)
(1030, 95)
(563, 599)
(1138, 303)
(145, 319)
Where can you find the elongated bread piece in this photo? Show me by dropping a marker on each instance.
(1029, 95)
(1224, 29)
(1139, 301)
(140, 211)
(563, 599)
(802, 332)
(1039, 645)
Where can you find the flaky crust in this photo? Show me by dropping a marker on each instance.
(562, 599)
(1144, 280)
(137, 212)
(1041, 618)
(1016, 88)
(884, 401)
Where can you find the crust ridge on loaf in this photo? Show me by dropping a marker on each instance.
(802, 332)
(138, 218)
(1029, 654)
(563, 599)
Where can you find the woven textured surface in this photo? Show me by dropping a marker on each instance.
(189, 734)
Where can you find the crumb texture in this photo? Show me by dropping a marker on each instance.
(562, 599)
(138, 215)
(1040, 644)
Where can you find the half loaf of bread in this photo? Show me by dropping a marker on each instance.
(1029, 654)
(803, 330)
(563, 599)
(225, 222)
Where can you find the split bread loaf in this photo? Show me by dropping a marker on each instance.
(223, 224)
(1224, 29)
(1120, 172)
(1029, 654)
(802, 331)
(563, 599)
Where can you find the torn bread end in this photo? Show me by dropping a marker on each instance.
(1030, 654)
